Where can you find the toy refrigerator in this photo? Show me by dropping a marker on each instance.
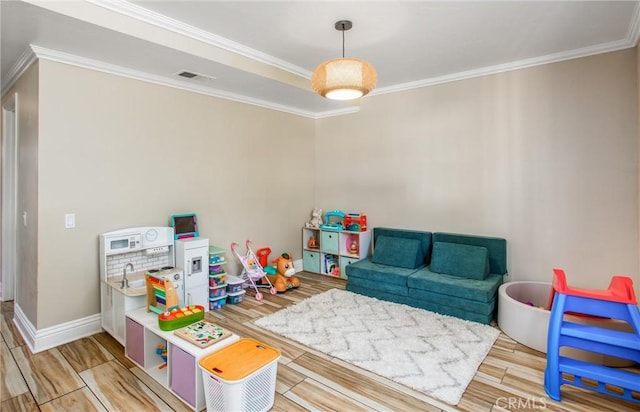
(192, 254)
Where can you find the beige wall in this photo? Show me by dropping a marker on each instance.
(26, 285)
(546, 157)
(121, 153)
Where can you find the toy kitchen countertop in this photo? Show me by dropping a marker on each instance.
(137, 284)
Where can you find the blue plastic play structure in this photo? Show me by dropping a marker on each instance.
(616, 302)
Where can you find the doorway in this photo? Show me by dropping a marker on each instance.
(9, 198)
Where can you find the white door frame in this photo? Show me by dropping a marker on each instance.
(9, 197)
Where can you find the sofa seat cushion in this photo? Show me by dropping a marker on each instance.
(460, 260)
(472, 289)
(397, 251)
(373, 285)
(483, 308)
(377, 294)
(382, 274)
(450, 311)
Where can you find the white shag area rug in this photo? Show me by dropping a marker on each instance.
(434, 354)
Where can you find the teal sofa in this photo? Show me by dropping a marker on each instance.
(448, 273)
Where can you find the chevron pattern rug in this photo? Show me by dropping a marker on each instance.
(434, 354)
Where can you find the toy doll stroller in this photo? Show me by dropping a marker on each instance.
(253, 270)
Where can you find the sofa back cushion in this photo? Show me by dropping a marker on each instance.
(423, 237)
(496, 246)
(398, 251)
(460, 260)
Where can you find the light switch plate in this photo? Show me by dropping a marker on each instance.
(69, 220)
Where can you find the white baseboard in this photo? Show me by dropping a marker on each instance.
(47, 338)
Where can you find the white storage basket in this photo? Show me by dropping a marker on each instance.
(240, 377)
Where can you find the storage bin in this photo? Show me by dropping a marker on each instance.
(240, 377)
(234, 284)
(217, 303)
(217, 291)
(217, 280)
(216, 260)
(235, 297)
(215, 269)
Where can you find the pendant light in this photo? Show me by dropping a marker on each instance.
(343, 78)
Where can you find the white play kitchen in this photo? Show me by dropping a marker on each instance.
(128, 259)
(154, 289)
(127, 255)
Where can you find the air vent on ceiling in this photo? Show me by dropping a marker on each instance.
(187, 74)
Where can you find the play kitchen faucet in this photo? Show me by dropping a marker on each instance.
(125, 281)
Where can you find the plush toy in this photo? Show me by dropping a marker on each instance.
(316, 219)
(284, 280)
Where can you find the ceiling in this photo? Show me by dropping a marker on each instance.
(263, 52)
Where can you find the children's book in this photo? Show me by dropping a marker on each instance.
(203, 333)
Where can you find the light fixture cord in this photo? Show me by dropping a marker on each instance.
(343, 40)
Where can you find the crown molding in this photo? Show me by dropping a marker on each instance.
(521, 64)
(25, 60)
(633, 34)
(66, 58)
(159, 20)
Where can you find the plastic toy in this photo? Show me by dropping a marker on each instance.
(353, 244)
(355, 222)
(313, 242)
(616, 302)
(161, 294)
(263, 256)
(284, 278)
(316, 219)
(161, 350)
(178, 318)
(333, 220)
(184, 225)
(252, 269)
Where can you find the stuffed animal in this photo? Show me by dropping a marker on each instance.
(316, 219)
(284, 280)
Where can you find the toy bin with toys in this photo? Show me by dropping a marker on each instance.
(217, 291)
(234, 284)
(217, 280)
(235, 297)
(215, 269)
(240, 377)
(217, 303)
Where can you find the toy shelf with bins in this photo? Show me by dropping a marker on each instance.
(180, 373)
(333, 248)
(217, 277)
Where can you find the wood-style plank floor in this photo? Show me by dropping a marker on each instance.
(92, 374)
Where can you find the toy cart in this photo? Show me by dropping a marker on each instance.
(253, 270)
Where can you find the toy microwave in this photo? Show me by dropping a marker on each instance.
(333, 220)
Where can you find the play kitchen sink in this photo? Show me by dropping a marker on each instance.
(136, 283)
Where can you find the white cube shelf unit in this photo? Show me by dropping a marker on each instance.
(332, 250)
(180, 374)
